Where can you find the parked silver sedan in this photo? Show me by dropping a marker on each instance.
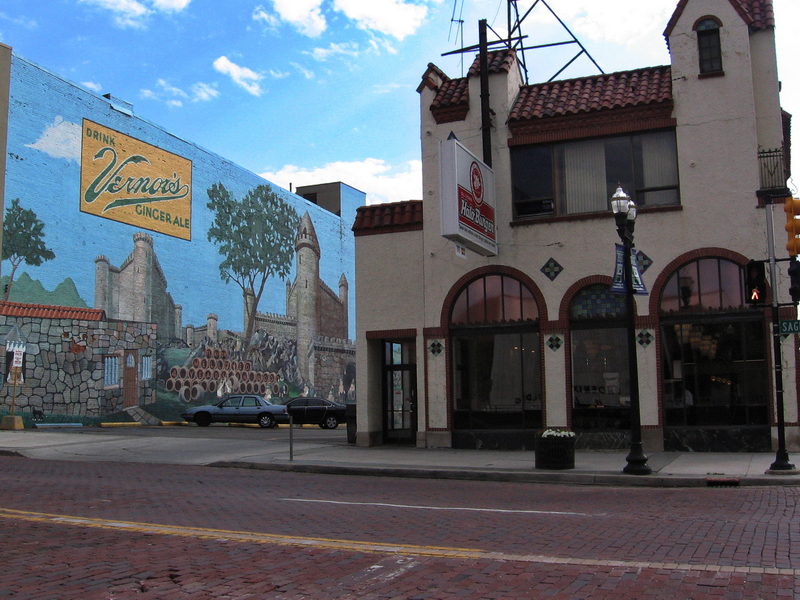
(238, 408)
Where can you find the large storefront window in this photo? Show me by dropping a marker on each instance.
(496, 362)
(599, 351)
(713, 351)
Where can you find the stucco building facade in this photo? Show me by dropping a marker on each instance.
(464, 346)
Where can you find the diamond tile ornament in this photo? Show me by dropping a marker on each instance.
(643, 261)
(436, 348)
(554, 342)
(645, 338)
(551, 269)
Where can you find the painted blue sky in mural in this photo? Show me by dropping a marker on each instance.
(300, 90)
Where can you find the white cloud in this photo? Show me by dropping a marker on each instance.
(381, 181)
(21, 21)
(334, 49)
(302, 70)
(95, 87)
(245, 78)
(202, 92)
(133, 13)
(261, 14)
(61, 139)
(278, 74)
(170, 90)
(170, 5)
(304, 15)
(395, 18)
(174, 96)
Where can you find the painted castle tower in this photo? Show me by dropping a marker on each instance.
(137, 290)
(316, 316)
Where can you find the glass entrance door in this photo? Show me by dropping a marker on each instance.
(400, 393)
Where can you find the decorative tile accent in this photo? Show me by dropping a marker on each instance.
(643, 260)
(645, 338)
(436, 348)
(551, 269)
(554, 342)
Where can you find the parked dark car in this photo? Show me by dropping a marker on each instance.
(317, 411)
(238, 408)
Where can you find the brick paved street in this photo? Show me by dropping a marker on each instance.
(99, 531)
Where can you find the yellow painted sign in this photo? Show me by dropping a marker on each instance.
(130, 181)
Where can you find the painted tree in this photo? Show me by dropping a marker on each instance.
(255, 236)
(23, 241)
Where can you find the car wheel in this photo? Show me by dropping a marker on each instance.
(203, 419)
(330, 422)
(266, 420)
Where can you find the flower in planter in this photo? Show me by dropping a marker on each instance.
(558, 433)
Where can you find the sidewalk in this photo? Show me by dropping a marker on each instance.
(670, 469)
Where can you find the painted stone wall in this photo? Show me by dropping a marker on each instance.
(151, 228)
(65, 364)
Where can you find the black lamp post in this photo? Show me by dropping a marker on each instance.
(624, 210)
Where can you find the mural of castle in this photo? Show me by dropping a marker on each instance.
(137, 290)
(83, 175)
(316, 316)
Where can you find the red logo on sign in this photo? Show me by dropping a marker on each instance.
(476, 182)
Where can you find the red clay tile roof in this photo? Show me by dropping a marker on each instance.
(42, 311)
(497, 61)
(388, 218)
(451, 102)
(590, 94)
(757, 14)
(451, 92)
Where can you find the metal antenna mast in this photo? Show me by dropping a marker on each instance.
(515, 39)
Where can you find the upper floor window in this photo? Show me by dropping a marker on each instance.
(579, 177)
(708, 46)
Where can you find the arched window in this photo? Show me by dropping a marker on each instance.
(713, 353)
(493, 300)
(599, 356)
(708, 45)
(496, 356)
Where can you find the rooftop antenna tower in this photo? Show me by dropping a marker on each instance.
(516, 40)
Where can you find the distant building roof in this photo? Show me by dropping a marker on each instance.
(43, 311)
(388, 218)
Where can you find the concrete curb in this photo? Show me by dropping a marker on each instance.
(560, 477)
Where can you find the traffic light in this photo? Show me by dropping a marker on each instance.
(791, 206)
(794, 279)
(755, 282)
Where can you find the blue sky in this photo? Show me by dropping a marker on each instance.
(311, 91)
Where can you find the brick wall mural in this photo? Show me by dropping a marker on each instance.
(200, 276)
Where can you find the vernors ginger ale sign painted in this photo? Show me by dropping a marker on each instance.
(130, 181)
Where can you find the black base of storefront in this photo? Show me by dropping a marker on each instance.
(718, 439)
(495, 439)
(676, 439)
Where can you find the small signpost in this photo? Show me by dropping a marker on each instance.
(15, 377)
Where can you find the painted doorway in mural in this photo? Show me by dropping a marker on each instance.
(130, 380)
(399, 392)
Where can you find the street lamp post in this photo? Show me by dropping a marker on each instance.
(624, 210)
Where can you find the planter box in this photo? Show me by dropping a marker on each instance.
(555, 453)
